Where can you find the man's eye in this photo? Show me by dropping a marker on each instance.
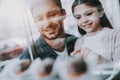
(39, 18)
(52, 14)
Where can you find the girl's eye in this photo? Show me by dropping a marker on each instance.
(77, 17)
(88, 14)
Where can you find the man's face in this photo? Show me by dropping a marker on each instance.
(49, 19)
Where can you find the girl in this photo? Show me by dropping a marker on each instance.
(100, 43)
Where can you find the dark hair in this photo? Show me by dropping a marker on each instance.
(58, 3)
(94, 3)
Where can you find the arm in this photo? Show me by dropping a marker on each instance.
(116, 54)
(88, 52)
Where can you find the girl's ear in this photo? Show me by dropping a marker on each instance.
(101, 12)
(63, 14)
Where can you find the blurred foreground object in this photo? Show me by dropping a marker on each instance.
(46, 67)
(14, 69)
(11, 48)
(76, 67)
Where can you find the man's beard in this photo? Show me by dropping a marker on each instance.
(59, 35)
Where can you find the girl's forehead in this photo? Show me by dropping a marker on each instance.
(82, 8)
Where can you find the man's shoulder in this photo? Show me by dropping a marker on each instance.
(40, 42)
(70, 38)
(68, 35)
(70, 42)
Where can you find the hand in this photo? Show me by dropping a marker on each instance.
(82, 52)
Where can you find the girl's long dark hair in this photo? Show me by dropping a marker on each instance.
(94, 3)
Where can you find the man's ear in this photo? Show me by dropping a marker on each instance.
(101, 12)
(63, 14)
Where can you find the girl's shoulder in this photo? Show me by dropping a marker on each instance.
(112, 31)
(112, 34)
(79, 41)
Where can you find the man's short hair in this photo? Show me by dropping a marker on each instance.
(58, 3)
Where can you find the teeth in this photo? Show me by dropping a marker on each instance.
(51, 29)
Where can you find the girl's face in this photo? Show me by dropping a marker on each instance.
(88, 18)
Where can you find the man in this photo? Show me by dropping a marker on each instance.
(48, 16)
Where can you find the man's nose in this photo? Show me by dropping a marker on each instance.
(47, 23)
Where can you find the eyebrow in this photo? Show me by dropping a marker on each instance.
(77, 13)
(49, 12)
(88, 11)
(53, 11)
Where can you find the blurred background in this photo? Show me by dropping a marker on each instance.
(17, 28)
